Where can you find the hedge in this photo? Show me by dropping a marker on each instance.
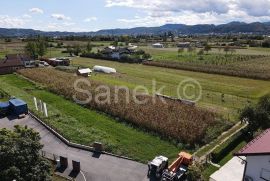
(105, 57)
(218, 154)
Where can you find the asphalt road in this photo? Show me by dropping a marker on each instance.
(95, 167)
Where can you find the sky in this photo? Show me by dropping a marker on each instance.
(93, 15)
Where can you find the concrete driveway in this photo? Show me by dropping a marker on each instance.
(95, 167)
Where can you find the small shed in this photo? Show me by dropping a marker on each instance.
(85, 72)
(107, 70)
(18, 107)
(4, 108)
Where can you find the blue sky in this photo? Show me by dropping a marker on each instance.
(92, 15)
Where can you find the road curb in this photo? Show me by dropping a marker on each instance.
(74, 145)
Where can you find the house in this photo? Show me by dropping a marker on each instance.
(85, 72)
(257, 153)
(117, 53)
(232, 171)
(183, 44)
(58, 62)
(11, 64)
(158, 45)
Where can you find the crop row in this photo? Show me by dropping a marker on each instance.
(246, 69)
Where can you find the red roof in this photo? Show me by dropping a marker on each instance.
(259, 146)
(12, 61)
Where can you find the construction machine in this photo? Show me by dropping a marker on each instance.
(157, 166)
(177, 170)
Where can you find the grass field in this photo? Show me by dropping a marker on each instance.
(237, 91)
(84, 126)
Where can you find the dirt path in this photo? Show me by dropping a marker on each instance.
(220, 141)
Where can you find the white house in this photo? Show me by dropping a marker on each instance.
(257, 153)
(232, 171)
(158, 45)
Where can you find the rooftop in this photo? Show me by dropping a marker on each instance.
(11, 61)
(259, 146)
(17, 102)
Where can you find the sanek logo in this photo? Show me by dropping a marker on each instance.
(188, 89)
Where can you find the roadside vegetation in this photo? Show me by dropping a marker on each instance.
(20, 158)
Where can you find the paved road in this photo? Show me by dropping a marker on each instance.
(102, 168)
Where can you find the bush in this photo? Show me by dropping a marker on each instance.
(124, 59)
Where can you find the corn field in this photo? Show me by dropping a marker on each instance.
(173, 120)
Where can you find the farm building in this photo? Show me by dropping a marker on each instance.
(183, 44)
(107, 70)
(158, 45)
(58, 62)
(11, 63)
(85, 72)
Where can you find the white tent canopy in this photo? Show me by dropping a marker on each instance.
(107, 70)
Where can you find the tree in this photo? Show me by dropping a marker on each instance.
(77, 50)
(31, 49)
(20, 159)
(195, 172)
(201, 52)
(69, 50)
(146, 56)
(89, 47)
(190, 49)
(257, 116)
(41, 48)
(180, 51)
(226, 49)
(207, 48)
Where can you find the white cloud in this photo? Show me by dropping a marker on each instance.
(60, 17)
(36, 10)
(27, 16)
(93, 18)
(255, 8)
(159, 12)
(12, 22)
(200, 6)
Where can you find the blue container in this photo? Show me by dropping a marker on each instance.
(18, 107)
(4, 108)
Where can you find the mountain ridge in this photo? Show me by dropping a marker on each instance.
(232, 27)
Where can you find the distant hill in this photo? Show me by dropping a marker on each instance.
(233, 27)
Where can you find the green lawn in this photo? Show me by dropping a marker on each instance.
(85, 126)
(237, 91)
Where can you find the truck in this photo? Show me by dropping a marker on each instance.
(157, 166)
(177, 170)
